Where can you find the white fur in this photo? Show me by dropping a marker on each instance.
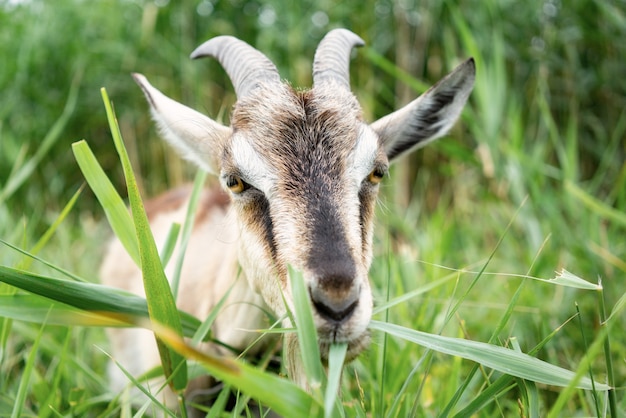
(252, 166)
(363, 156)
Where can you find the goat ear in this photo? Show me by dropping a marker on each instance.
(196, 137)
(428, 117)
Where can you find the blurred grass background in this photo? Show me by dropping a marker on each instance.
(546, 123)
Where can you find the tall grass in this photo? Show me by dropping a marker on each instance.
(532, 180)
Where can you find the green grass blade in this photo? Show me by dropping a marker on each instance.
(42, 261)
(161, 304)
(385, 342)
(281, 395)
(22, 391)
(528, 389)
(170, 244)
(595, 205)
(594, 393)
(479, 274)
(113, 205)
(531, 395)
(187, 228)
(597, 346)
(501, 323)
(412, 294)
(41, 242)
(610, 372)
(19, 177)
(504, 382)
(153, 401)
(617, 308)
(594, 349)
(565, 278)
(219, 406)
(205, 328)
(498, 358)
(562, 278)
(87, 296)
(336, 358)
(31, 308)
(500, 386)
(307, 334)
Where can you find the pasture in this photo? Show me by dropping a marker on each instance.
(504, 237)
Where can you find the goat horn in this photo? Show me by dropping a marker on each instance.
(246, 66)
(332, 57)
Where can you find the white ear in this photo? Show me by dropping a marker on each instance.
(196, 137)
(428, 117)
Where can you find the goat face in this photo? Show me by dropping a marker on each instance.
(303, 170)
(298, 165)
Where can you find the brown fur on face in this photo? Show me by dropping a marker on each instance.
(305, 139)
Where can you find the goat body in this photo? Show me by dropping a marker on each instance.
(302, 171)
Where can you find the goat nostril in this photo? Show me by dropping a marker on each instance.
(335, 314)
(333, 305)
(335, 296)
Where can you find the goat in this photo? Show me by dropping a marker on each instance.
(300, 171)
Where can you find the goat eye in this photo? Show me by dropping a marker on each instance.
(376, 176)
(235, 184)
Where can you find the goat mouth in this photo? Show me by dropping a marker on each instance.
(355, 345)
(338, 322)
(332, 315)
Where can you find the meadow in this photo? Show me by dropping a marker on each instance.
(508, 233)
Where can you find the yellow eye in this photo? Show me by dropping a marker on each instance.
(376, 176)
(235, 184)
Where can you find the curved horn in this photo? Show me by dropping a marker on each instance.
(332, 57)
(245, 66)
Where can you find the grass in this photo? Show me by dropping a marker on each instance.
(532, 181)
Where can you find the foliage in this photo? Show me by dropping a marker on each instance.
(532, 180)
